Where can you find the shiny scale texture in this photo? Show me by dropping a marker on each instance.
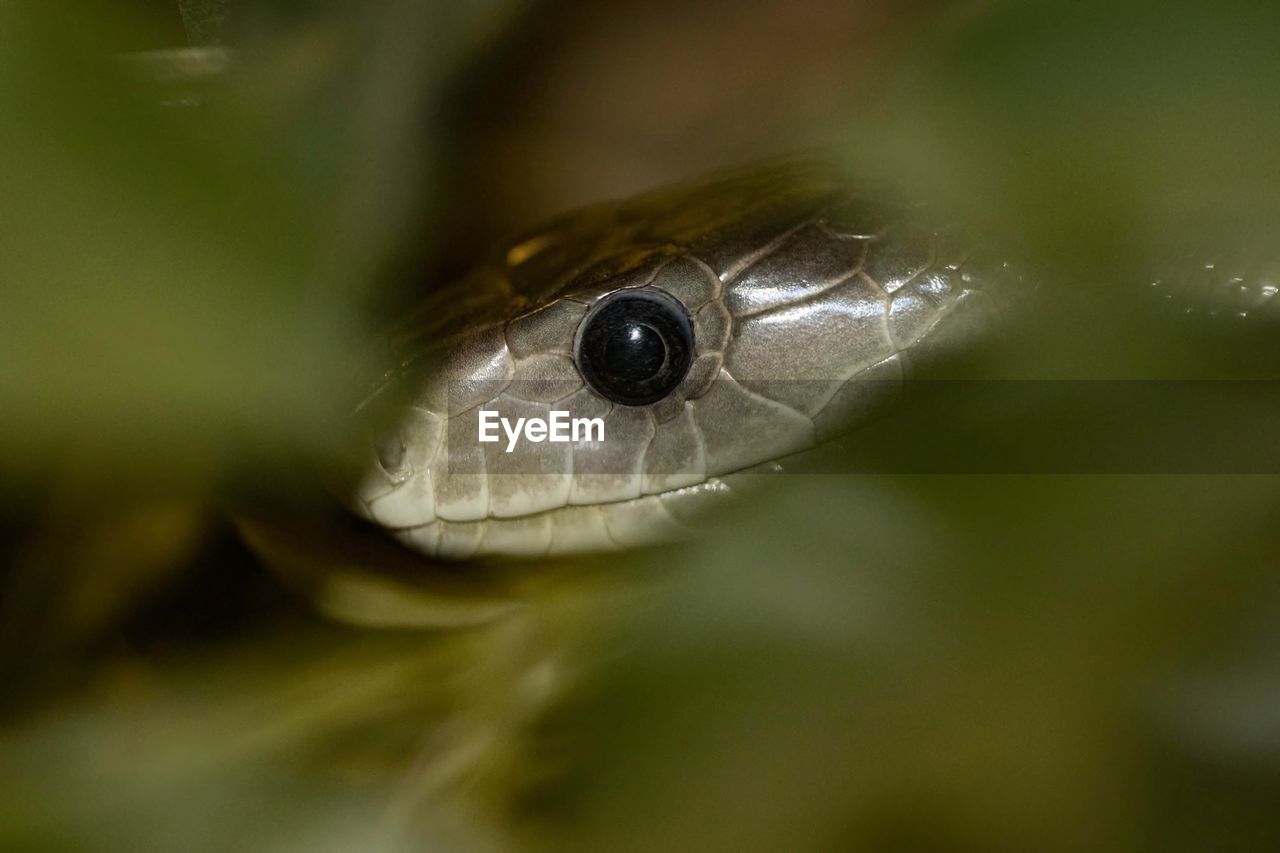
(811, 302)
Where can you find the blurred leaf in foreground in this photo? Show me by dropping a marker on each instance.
(1111, 145)
(186, 289)
(160, 312)
(191, 244)
(941, 663)
(1093, 130)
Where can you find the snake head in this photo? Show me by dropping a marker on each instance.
(707, 330)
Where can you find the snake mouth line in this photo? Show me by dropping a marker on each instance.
(657, 519)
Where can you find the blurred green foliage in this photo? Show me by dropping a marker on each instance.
(937, 663)
(1109, 144)
(161, 310)
(186, 287)
(865, 663)
(204, 20)
(1099, 132)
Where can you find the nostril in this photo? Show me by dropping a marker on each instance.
(390, 450)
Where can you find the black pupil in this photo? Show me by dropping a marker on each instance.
(634, 352)
(635, 346)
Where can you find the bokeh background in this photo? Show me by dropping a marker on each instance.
(210, 207)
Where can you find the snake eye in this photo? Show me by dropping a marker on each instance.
(634, 347)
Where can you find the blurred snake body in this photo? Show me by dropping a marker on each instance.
(810, 300)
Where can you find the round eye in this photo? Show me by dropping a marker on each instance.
(634, 347)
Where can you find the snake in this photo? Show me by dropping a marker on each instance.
(713, 328)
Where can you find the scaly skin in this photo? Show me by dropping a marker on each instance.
(811, 302)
